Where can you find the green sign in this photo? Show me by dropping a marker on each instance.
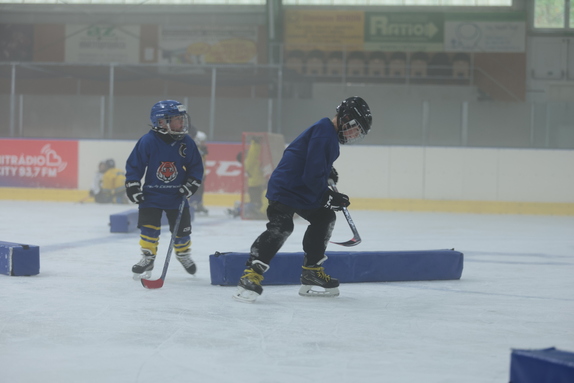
(404, 31)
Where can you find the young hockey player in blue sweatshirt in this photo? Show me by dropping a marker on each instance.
(173, 170)
(299, 185)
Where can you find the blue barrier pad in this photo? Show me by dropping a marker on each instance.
(18, 259)
(124, 222)
(545, 365)
(127, 221)
(348, 267)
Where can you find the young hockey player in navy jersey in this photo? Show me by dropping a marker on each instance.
(299, 185)
(173, 170)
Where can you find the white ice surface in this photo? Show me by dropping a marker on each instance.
(83, 318)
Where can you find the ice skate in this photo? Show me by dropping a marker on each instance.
(315, 283)
(200, 209)
(235, 211)
(142, 269)
(249, 287)
(186, 261)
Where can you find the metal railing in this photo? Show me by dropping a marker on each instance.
(112, 101)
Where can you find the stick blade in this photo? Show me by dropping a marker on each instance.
(349, 243)
(152, 284)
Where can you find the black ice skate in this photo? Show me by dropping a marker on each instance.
(249, 287)
(236, 211)
(187, 262)
(201, 209)
(314, 276)
(142, 269)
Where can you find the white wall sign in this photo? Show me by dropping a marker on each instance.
(102, 43)
(209, 44)
(485, 36)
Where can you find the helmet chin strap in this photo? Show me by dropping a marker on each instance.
(175, 135)
(165, 128)
(161, 130)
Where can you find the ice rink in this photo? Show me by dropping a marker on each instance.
(84, 319)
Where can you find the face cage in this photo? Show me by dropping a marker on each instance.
(351, 132)
(166, 129)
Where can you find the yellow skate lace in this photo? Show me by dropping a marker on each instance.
(253, 276)
(320, 272)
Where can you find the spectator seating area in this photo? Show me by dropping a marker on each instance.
(379, 65)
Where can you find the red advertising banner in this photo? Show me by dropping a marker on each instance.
(223, 172)
(39, 163)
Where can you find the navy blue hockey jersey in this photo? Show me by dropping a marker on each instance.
(300, 179)
(166, 167)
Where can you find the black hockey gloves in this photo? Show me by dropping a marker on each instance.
(335, 201)
(189, 187)
(134, 191)
(334, 175)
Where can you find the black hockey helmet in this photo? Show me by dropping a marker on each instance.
(354, 119)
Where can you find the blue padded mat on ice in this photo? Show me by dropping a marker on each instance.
(348, 267)
(546, 365)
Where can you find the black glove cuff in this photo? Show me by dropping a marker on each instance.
(334, 175)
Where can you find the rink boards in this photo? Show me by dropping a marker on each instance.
(348, 267)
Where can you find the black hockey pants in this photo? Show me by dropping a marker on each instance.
(280, 227)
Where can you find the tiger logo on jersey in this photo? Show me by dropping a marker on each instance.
(167, 172)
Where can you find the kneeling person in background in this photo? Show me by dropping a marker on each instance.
(109, 185)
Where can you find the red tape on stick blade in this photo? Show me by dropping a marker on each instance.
(152, 284)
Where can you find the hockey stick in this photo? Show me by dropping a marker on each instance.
(356, 237)
(158, 283)
(85, 199)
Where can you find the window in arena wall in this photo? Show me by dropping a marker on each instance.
(440, 3)
(553, 14)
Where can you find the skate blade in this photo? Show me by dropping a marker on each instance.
(145, 275)
(307, 291)
(245, 296)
